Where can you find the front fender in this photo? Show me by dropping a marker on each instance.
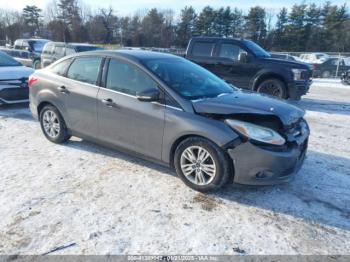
(181, 124)
(267, 73)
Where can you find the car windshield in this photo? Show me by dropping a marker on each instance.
(84, 48)
(188, 79)
(38, 46)
(256, 49)
(6, 60)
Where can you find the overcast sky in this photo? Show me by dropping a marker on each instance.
(126, 7)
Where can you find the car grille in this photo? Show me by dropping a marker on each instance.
(306, 75)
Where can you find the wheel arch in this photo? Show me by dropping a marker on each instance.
(270, 75)
(44, 103)
(180, 139)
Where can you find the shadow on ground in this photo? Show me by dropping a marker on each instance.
(16, 111)
(324, 106)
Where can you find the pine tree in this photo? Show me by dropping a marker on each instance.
(205, 22)
(255, 25)
(32, 18)
(187, 26)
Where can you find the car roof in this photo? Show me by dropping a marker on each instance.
(217, 38)
(71, 44)
(136, 55)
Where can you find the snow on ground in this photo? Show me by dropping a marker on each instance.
(96, 201)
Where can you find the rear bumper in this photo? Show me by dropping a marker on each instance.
(254, 165)
(10, 94)
(298, 89)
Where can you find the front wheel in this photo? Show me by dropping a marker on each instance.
(201, 164)
(36, 64)
(53, 125)
(273, 87)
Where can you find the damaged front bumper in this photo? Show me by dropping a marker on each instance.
(261, 165)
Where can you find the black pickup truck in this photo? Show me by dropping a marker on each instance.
(27, 51)
(245, 64)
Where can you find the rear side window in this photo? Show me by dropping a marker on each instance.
(59, 51)
(61, 68)
(48, 49)
(202, 48)
(126, 78)
(85, 69)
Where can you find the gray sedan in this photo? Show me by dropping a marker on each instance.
(167, 109)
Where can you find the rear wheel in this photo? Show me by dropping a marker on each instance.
(326, 74)
(273, 87)
(53, 125)
(201, 164)
(36, 64)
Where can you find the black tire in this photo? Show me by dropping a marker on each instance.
(62, 135)
(37, 64)
(326, 74)
(273, 87)
(222, 173)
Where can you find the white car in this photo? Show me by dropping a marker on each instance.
(314, 58)
(13, 80)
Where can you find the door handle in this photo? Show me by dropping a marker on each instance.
(109, 102)
(63, 89)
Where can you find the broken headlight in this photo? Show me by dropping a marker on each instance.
(255, 132)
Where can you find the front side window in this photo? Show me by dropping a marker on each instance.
(85, 69)
(256, 49)
(70, 50)
(18, 44)
(61, 67)
(127, 78)
(38, 46)
(230, 51)
(188, 79)
(202, 48)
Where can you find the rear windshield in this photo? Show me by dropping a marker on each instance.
(85, 48)
(38, 45)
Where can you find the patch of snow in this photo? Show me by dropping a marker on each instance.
(80, 198)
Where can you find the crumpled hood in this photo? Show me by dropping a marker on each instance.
(14, 72)
(241, 102)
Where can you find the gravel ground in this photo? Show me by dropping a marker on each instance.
(86, 199)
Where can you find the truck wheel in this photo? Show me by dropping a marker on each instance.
(201, 164)
(36, 64)
(273, 87)
(326, 74)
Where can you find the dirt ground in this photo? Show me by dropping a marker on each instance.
(80, 198)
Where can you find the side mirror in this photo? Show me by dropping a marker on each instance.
(243, 57)
(148, 95)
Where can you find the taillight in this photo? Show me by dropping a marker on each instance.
(32, 80)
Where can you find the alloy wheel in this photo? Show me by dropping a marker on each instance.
(198, 165)
(51, 124)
